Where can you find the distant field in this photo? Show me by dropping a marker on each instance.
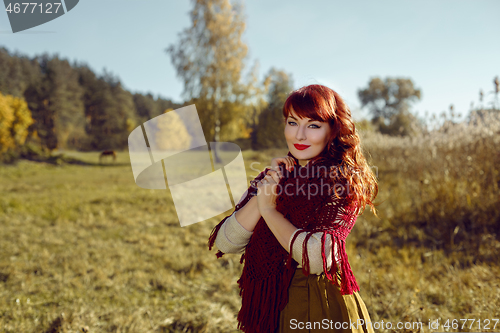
(83, 249)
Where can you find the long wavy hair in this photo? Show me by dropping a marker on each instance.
(349, 166)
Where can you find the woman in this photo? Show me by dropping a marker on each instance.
(296, 276)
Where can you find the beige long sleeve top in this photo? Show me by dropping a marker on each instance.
(233, 237)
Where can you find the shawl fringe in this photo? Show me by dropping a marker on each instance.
(258, 314)
(265, 295)
(213, 236)
(342, 272)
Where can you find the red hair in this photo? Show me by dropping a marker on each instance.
(343, 148)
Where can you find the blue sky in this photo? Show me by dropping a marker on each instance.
(449, 49)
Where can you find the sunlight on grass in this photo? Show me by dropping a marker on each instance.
(85, 249)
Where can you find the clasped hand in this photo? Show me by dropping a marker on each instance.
(267, 187)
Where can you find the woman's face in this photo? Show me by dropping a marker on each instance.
(306, 138)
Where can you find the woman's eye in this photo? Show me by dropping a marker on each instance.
(292, 123)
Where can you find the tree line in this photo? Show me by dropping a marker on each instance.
(51, 103)
(48, 102)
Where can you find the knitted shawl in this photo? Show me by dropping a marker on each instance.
(308, 202)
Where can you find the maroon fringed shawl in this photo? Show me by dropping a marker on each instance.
(308, 202)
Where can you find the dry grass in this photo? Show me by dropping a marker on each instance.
(83, 249)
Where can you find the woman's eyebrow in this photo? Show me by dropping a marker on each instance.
(307, 121)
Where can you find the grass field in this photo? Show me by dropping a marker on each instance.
(83, 249)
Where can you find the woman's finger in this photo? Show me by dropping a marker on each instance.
(275, 163)
(268, 178)
(275, 174)
(286, 160)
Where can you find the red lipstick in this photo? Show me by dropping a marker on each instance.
(301, 147)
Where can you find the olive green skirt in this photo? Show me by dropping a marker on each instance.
(316, 305)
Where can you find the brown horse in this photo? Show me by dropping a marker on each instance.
(107, 153)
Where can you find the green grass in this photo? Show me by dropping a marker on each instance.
(85, 249)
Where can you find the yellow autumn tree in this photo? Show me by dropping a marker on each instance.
(172, 133)
(210, 57)
(15, 118)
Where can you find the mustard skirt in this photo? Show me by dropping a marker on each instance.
(316, 305)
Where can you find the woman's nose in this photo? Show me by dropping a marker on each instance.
(301, 133)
